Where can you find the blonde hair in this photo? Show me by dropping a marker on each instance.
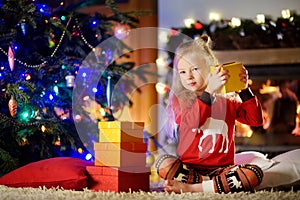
(200, 47)
(186, 98)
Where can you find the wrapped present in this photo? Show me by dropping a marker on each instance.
(120, 154)
(121, 125)
(103, 178)
(233, 84)
(140, 147)
(117, 131)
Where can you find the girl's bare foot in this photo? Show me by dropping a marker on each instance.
(179, 187)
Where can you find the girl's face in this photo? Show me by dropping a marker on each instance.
(192, 71)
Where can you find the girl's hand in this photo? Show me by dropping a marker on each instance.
(217, 80)
(244, 76)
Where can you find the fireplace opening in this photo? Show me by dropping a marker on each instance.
(278, 89)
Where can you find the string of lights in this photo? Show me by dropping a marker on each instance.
(44, 62)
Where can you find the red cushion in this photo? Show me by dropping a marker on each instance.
(65, 172)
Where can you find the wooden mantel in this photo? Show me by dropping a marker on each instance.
(261, 56)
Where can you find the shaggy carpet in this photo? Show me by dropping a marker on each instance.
(7, 193)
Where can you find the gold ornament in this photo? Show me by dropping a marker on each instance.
(12, 106)
(23, 141)
(57, 142)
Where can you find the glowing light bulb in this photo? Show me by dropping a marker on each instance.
(43, 128)
(55, 89)
(214, 16)
(121, 31)
(161, 88)
(260, 18)
(102, 111)
(25, 114)
(163, 37)
(80, 150)
(28, 77)
(286, 13)
(95, 90)
(160, 61)
(188, 22)
(235, 22)
(88, 156)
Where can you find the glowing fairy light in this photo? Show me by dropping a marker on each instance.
(43, 128)
(235, 22)
(80, 150)
(25, 114)
(161, 88)
(260, 18)
(95, 90)
(102, 111)
(163, 37)
(55, 89)
(94, 22)
(214, 16)
(188, 22)
(88, 156)
(286, 13)
(78, 118)
(121, 31)
(86, 98)
(160, 61)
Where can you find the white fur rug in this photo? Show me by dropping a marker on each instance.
(7, 193)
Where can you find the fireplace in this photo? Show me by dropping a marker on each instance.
(275, 78)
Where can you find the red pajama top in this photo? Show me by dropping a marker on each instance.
(206, 129)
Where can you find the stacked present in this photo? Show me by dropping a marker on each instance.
(120, 158)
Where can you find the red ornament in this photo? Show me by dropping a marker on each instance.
(76, 32)
(284, 24)
(198, 25)
(174, 32)
(121, 31)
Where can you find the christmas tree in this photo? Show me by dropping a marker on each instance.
(49, 49)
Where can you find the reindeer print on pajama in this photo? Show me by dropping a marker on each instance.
(214, 127)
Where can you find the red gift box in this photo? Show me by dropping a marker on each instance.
(103, 178)
(120, 154)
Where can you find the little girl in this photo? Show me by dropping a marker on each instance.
(206, 122)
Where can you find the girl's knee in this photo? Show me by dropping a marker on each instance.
(238, 178)
(168, 166)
